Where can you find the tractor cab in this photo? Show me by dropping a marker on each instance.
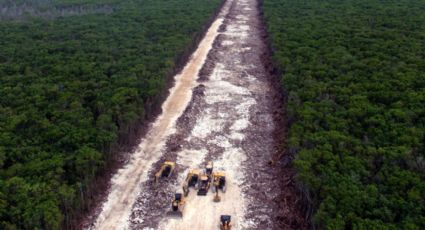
(191, 180)
(177, 206)
(204, 185)
(225, 222)
(177, 200)
(193, 177)
(209, 168)
(219, 180)
(168, 168)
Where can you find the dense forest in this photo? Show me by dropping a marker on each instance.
(24, 9)
(353, 72)
(74, 77)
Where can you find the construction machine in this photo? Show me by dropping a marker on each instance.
(191, 180)
(219, 183)
(225, 222)
(205, 180)
(177, 206)
(166, 170)
(204, 185)
(209, 168)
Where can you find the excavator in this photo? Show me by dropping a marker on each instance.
(166, 170)
(177, 206)
(225, 222)
(191, 180)
(219, 183)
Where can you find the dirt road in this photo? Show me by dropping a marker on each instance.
(222, 108)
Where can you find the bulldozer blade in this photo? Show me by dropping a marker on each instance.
(202, 192)
(175, 214)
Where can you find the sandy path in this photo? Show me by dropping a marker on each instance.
(125, 184)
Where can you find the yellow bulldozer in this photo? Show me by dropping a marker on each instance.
(204, 182)
(209, 168)
(219, 183)
(191, 180)
(225, 222)
(204, 185)
(166, 170)
(177, 206)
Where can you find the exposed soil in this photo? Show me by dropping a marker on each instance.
(228, 112)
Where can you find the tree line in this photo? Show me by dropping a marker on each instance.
(353, 72)
(69, 88)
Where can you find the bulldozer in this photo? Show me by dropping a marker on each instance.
(209, 168)
(225, 222)
(166, 170)
(191, 180)
(205, 180)
(177, 206)
(219, 183)
(204, 185)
